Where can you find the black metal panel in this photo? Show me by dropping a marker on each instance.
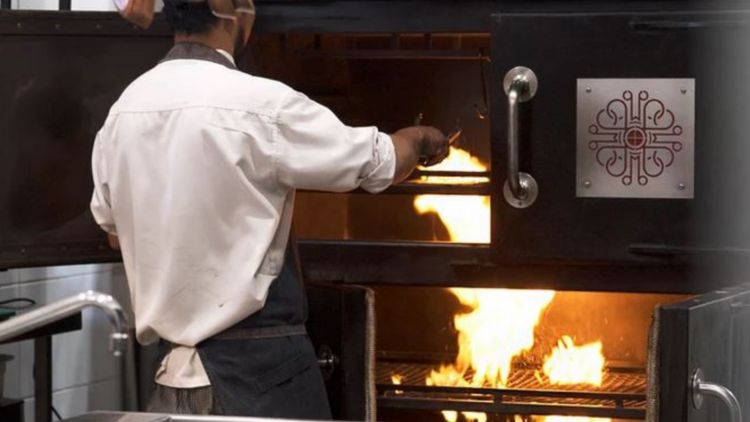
(447, 265)
(387, 263)
(337, 321)
(55, 95)
(425, 16)
(102, 24)
(710, 332)
(650, 233)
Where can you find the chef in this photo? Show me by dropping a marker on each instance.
(195, 171)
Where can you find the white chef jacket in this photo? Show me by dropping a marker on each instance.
(195, 171)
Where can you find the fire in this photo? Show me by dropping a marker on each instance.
(573, 419)
(500, 324)
(452, 416)
(467, 218)
(559, 419)
(499, 328)
(571, 364)
(397, 379)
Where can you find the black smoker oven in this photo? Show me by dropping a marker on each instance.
(614, 134)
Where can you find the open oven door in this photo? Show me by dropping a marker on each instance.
(700, 358)
(619, 148)
(341, 325)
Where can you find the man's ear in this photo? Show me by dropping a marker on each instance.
(223, 8)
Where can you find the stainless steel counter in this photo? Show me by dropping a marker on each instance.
(154, 417)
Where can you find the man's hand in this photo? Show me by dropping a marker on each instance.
(418, 145)
(435, 147)
(114, 242)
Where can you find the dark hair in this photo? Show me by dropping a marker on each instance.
(189, 17)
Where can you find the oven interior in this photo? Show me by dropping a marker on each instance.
(580, 354)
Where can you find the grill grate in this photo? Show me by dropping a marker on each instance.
(622, 394)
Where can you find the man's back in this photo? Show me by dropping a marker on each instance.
(196, 168)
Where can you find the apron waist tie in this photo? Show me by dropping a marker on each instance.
(240, 333)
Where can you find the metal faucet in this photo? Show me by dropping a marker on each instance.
(56, 311)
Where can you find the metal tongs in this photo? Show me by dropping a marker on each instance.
(452, 137)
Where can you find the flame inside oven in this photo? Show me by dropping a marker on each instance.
(467, 218)
(500, 324)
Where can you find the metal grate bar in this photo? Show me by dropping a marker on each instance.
(511, 408)
(622, 394)
(520, 379)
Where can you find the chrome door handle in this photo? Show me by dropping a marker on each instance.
(701, 387)
(520, 190)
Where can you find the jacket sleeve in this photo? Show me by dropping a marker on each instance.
(101, 207)
(314, 150)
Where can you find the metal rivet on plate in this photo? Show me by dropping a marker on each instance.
(681, 186)
(586, 184)
(588, 90)
(683, 90)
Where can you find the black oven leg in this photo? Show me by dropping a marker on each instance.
(43, 379)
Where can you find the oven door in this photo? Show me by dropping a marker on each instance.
(618, 145)
(706, 339)
(341, 325)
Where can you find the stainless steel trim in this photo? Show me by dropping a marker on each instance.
(701, 388)
(529, 188)
(520, 85)
(48, 314)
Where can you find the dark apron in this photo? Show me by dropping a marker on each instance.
(264, 366)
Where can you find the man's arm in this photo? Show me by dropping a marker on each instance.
(314, 150)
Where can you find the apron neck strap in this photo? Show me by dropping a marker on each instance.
(195, 51)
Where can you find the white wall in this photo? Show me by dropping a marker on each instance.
(86, 376)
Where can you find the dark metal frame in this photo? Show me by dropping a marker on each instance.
(497, 401)
(369, 16)
(470, 265)
(363, 262)
(43, 362)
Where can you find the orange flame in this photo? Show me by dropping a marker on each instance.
(571, 364)
(501, 323)
(397, 379)
(467, 218)
(559, 419)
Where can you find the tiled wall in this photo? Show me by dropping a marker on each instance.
(85, 375)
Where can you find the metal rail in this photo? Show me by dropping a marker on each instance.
(622, 394)
(48, 314)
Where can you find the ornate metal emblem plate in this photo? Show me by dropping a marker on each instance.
(636, 138)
